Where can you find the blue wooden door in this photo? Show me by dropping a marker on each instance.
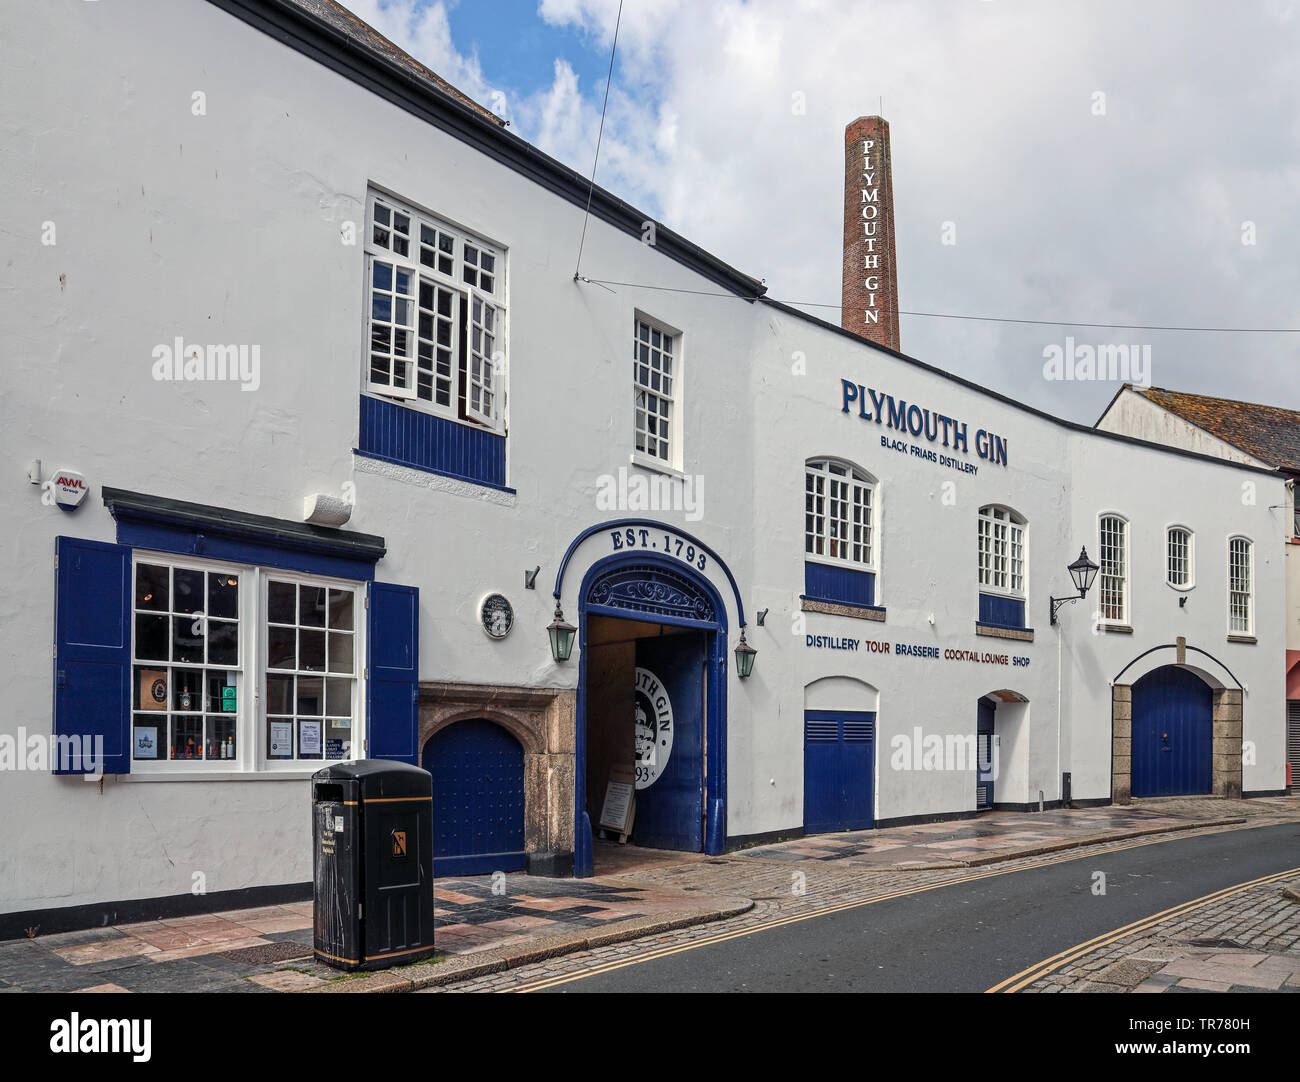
(984, 775)
(670, 743)
(838, 771)
(1172, 729)
(478, 799)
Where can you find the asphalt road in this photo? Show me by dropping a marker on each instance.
(968, 936)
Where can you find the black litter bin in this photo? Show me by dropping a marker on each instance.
(373, 864)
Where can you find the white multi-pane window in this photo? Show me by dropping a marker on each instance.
(437, 315)
(187, 679)
(839, 501)
(1178, 557)
(1240, 587)
(656, 380)
(206, 636)
(1112, 578)
(311, 669)
(1001, 551)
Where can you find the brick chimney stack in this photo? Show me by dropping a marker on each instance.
(870, 293)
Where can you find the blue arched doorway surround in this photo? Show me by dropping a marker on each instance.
(655, 588)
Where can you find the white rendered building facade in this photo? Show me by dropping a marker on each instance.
(378, 281)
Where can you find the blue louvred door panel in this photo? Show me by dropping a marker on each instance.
(839, 768)
(92, 663)
(1172, 729)
(478, 799)
(393, 684)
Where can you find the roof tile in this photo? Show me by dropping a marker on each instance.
(1270, 433)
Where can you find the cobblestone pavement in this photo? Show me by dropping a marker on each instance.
(269, 948)
(240, 950)
(782, 888)
(471, 917)
(1244, 942)
(997, 835)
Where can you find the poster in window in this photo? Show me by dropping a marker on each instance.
(309, 738)
(282, 740)
(146, 742)
(153, 688)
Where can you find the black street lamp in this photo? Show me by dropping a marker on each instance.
(561, 635)
(1082, 571)
(744, 657)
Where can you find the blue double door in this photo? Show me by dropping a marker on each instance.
(670, 697)
(1172, 730)
(478, 799)
(839, 771)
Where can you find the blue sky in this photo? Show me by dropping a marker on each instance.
(522, 61)
(1097, 160)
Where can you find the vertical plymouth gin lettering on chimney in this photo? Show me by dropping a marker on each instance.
(870, 293)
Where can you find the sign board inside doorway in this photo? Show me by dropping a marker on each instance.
(619, 808)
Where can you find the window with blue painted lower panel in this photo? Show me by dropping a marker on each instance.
(840, 585)
(435, 370)
(1002, 555)
(839, 533)
(409, 437)
(1002, 611)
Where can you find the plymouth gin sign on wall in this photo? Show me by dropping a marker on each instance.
(930, 425)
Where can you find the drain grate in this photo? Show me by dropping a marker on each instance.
(270, 952)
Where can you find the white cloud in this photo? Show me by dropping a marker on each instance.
(1131, 216)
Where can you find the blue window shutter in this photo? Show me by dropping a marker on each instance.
(92, 659)
(393, 688)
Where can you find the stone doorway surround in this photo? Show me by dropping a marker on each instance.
(1225, 779)
(542, 720)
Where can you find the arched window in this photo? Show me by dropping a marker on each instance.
(1241, 583)
(840, 536)
(1179, 563)
(1112, 578)
(1002, 550)
(839, 513)
(1000, 562)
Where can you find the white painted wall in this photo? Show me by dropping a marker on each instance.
(225, 228)
(1133, 414)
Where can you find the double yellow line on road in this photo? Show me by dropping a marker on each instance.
(1048, 965)
(543, 983)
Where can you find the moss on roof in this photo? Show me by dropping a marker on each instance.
(1270, 433)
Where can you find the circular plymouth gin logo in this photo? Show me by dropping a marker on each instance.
(654, 728)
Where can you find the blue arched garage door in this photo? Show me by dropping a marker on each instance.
(478, 799)
(1173, 722)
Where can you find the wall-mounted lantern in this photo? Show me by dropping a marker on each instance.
(561, 635)
(744, 657)
(1082, 571)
